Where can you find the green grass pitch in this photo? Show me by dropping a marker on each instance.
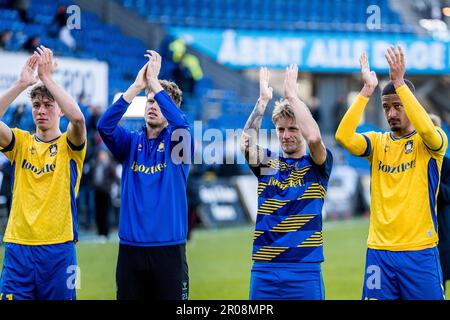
(219, 263)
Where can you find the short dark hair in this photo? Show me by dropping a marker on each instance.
(390, 89)
(172, 90)
(41, 90)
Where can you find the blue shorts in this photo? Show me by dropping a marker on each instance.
(405, 275)
(45, 272)
(286, 281)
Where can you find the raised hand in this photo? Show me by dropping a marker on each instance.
(265, 92)
(396, 59)
(369, 77)
(28, 75)
(290, 82)
(46, 63)
(141, 78)
(154, 65)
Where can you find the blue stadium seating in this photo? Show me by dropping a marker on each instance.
(337, 15)
(96, 40)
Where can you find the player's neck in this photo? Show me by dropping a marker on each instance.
(296, 155)
(48, 135)
(402, 133)
(153, 132)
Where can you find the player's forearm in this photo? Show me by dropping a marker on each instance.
(10, 95)
(175, 117)
(346, 133)
(154, 85)
(419, 117)
(115, 137)
(249, 138)
(67, 104)
(254, 121)
(132, 92)
(308, 126)
(109, 121)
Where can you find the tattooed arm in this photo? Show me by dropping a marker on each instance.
(253, 153)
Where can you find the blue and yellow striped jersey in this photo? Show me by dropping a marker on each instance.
(46, 177)
(291, 194)
(405, 180)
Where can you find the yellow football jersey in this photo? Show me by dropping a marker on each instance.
(46, 177)
(404, 186)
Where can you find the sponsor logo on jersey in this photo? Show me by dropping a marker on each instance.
(395, 169)
(28, 166)
(148, 170)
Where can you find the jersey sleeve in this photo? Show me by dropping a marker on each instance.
(77, 153)
(440, 151)
(12, 151)
(267, 166)
(346, 133)
(325, 168)
(371, 139)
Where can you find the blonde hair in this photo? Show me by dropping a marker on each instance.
(282, 110)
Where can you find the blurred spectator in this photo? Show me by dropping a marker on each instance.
(184, 68)
(5, 39)
(17, 115)
(339, 110)
(314, 107)
(31, 44)
(5, 183)
(443, 212)
(188, 73)
(22, 7)
(66, 37)
(84, 107)
(169, 66)
(177, 49)
(59, 28)
(228, 170)
(86, 198)
(104, 175)
(94, 115)
(193, 198)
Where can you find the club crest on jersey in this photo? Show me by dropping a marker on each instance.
(160, 147)
(409, 146)
(53, 150)
(139, 147)
(32, 150)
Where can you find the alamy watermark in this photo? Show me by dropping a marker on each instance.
(213, 146)
(373, 22)
(74, 277)
(373, 281)
(74, 18)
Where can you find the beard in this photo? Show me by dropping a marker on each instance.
(155, 123)
(395, 127)
(291, 148)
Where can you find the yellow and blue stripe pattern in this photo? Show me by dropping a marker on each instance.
(289, 217)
